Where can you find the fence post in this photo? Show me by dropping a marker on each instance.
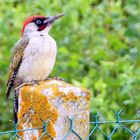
(57, 109)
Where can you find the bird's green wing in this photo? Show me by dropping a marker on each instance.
(15, 63)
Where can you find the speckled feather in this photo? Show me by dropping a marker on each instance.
(15, 63)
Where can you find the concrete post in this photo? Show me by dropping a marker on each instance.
(64, 109)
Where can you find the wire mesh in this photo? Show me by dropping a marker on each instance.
(95, 124)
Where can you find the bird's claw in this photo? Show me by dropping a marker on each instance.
(58, 78)
(35, 82)
(55, 78)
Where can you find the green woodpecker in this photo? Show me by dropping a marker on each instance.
(34, 54)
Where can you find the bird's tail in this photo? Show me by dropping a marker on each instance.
(9, 87)
(15, 108)
(10, 84)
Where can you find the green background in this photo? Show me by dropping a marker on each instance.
(98, 48)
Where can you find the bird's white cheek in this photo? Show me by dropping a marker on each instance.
(30, 28)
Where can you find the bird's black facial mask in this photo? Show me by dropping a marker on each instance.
(40, 23)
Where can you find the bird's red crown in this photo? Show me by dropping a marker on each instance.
(29, 20)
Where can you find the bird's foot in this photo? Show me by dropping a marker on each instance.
(35, 82)
(58, 78)
(48, 79)
(55, 78)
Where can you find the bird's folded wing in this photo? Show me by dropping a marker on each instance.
(15, 62)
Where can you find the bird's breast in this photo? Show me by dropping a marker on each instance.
(39, 59)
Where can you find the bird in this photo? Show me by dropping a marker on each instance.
(34, 54)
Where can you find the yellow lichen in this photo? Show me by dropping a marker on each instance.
(35, 109)
(34, 138)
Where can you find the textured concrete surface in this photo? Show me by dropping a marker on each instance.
(59, 103)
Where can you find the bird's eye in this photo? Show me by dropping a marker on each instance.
(38, 22)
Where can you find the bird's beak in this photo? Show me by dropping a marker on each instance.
(51, 19)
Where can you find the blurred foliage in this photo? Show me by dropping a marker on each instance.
(98, 48)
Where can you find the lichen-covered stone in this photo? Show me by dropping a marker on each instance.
(56, 101)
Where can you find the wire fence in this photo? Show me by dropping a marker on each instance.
(95, 126)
